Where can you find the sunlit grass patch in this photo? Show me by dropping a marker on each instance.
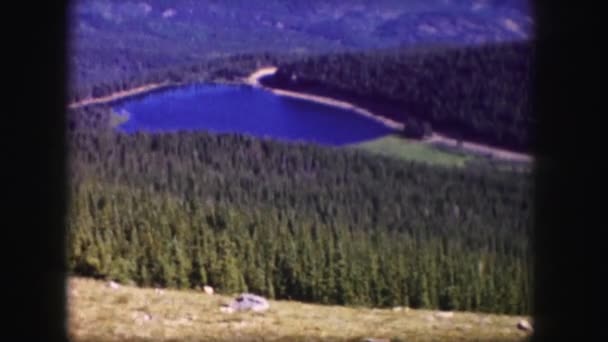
(394, 146)
(100, 313)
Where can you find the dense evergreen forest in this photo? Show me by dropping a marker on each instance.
(232, 68)
(296, 221)
(478, 93)
(300, 221)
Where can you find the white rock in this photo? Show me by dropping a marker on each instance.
(208, 289)
(159, 291)
(113, 285)
(226, 309)
(141, 317)
(259, 308)
(524, 325)
(248, 301)
(397, 308)
(445, 314)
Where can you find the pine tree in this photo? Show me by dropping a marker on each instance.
(344, 290)
(230, 278)
(198, 272)
(421, 292)
(254, 273)
(448, 299)
(327, 291)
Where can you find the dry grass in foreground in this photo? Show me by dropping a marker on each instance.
(100, 313)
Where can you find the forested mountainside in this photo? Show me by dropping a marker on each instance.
(479, 93)
(109, 38)
(475, 93)
(301, 221)
(224, 69)
(297, 221)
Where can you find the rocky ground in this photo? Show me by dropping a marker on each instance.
(102, 311)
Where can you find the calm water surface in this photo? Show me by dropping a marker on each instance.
(243, 109)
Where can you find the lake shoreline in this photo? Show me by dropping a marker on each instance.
(138, 91)
(146, 88)
(435, 139)
(253, 80)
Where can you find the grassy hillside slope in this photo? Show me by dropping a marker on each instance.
(99, 313)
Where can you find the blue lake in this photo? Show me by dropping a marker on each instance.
(252, 111)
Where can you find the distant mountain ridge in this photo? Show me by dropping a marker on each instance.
(354, 19)
(164, 33)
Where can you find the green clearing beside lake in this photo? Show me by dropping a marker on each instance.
(394, 146)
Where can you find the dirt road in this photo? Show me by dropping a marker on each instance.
(117, 95)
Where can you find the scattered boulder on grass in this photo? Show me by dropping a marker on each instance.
(140, 317)
(524, 325)
(246, 302)
(113, 285)
(444, 314)
(208, 289)
(226, 309)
